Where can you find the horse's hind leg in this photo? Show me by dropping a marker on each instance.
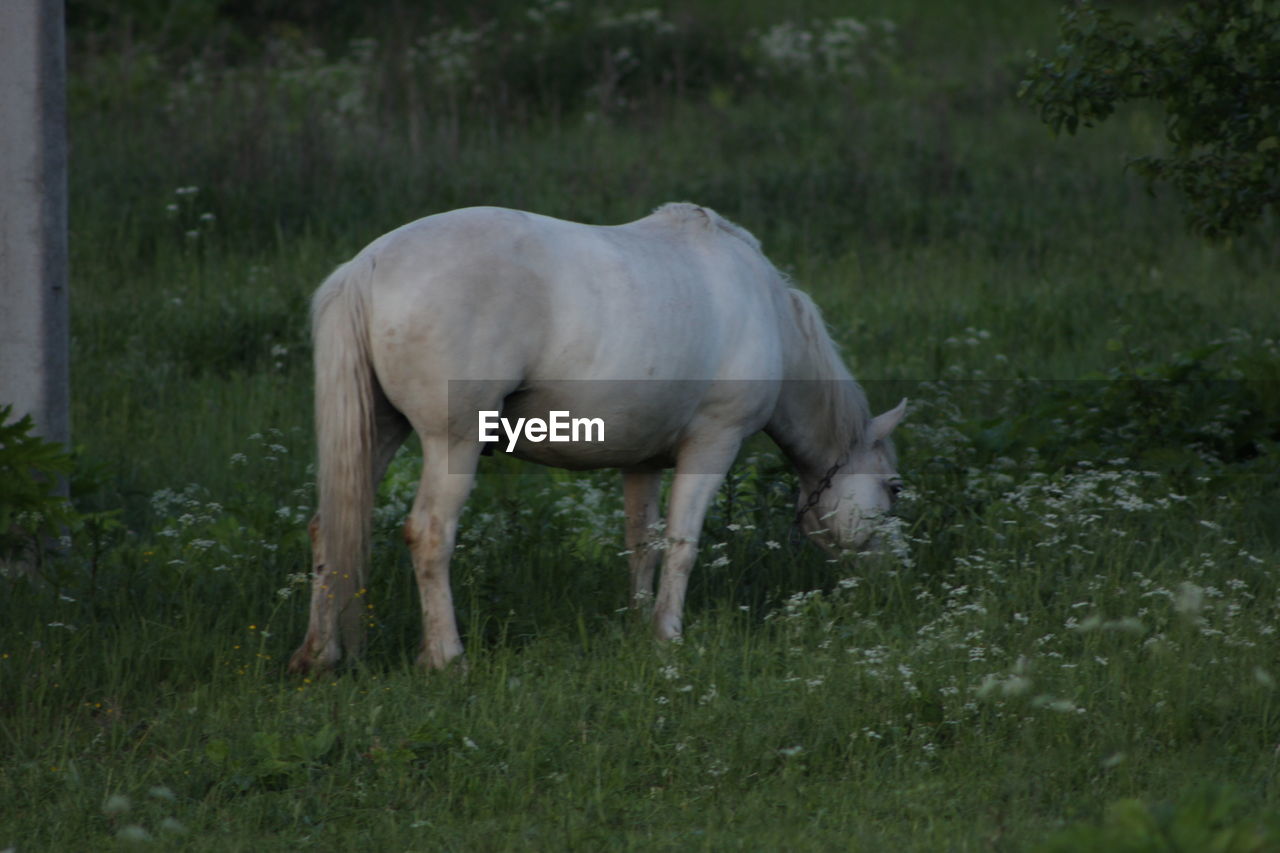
(640, 496)
(320, 649)
(448, 473)
(391, 429)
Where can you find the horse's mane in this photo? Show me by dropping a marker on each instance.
(843, 405)
(687, 213)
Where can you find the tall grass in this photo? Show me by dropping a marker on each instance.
(1074, 626)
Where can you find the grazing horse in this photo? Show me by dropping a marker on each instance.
(674, 331)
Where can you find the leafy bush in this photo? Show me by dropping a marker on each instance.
(1212, 67)
(1210, 409)
(1209, 819)
(548, 59)
(31, 470)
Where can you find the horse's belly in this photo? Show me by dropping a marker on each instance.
(587, 424)
(583, 456)
(596, 424)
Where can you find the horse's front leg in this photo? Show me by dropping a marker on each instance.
(698, 476)
(431, 531)
(640, 496)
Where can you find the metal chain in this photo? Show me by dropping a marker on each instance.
(816, 494)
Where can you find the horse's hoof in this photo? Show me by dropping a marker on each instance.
(667, 628)
(301, 663)
(456, 663)
(304, 662)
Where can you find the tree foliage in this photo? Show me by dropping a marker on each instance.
(1214, 68)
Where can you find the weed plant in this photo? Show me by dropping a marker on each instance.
(1067, 643)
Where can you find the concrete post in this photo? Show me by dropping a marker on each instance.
(33, 215)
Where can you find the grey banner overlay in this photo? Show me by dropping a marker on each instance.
(609, 424)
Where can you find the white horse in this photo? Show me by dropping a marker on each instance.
(691, 339)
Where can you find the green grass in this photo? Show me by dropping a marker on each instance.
(1080, 611)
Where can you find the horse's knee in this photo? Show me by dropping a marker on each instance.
(424, 540)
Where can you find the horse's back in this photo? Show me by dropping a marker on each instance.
(506, 296)
(479, 245)
(491, 274)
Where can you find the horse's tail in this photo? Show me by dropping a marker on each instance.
(344, 401)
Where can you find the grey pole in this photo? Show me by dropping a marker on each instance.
(33, 215)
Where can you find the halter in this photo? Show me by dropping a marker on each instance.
(816, 495)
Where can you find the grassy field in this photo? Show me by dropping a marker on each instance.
(1070, 645)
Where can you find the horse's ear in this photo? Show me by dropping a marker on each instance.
(882, 425)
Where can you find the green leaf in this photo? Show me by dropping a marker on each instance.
(217, 750)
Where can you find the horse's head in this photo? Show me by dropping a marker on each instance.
(850, 501)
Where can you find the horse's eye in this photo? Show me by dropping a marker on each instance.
(894, 487)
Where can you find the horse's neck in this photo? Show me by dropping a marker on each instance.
(821, 411)
(816, 420)
(799, 426)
